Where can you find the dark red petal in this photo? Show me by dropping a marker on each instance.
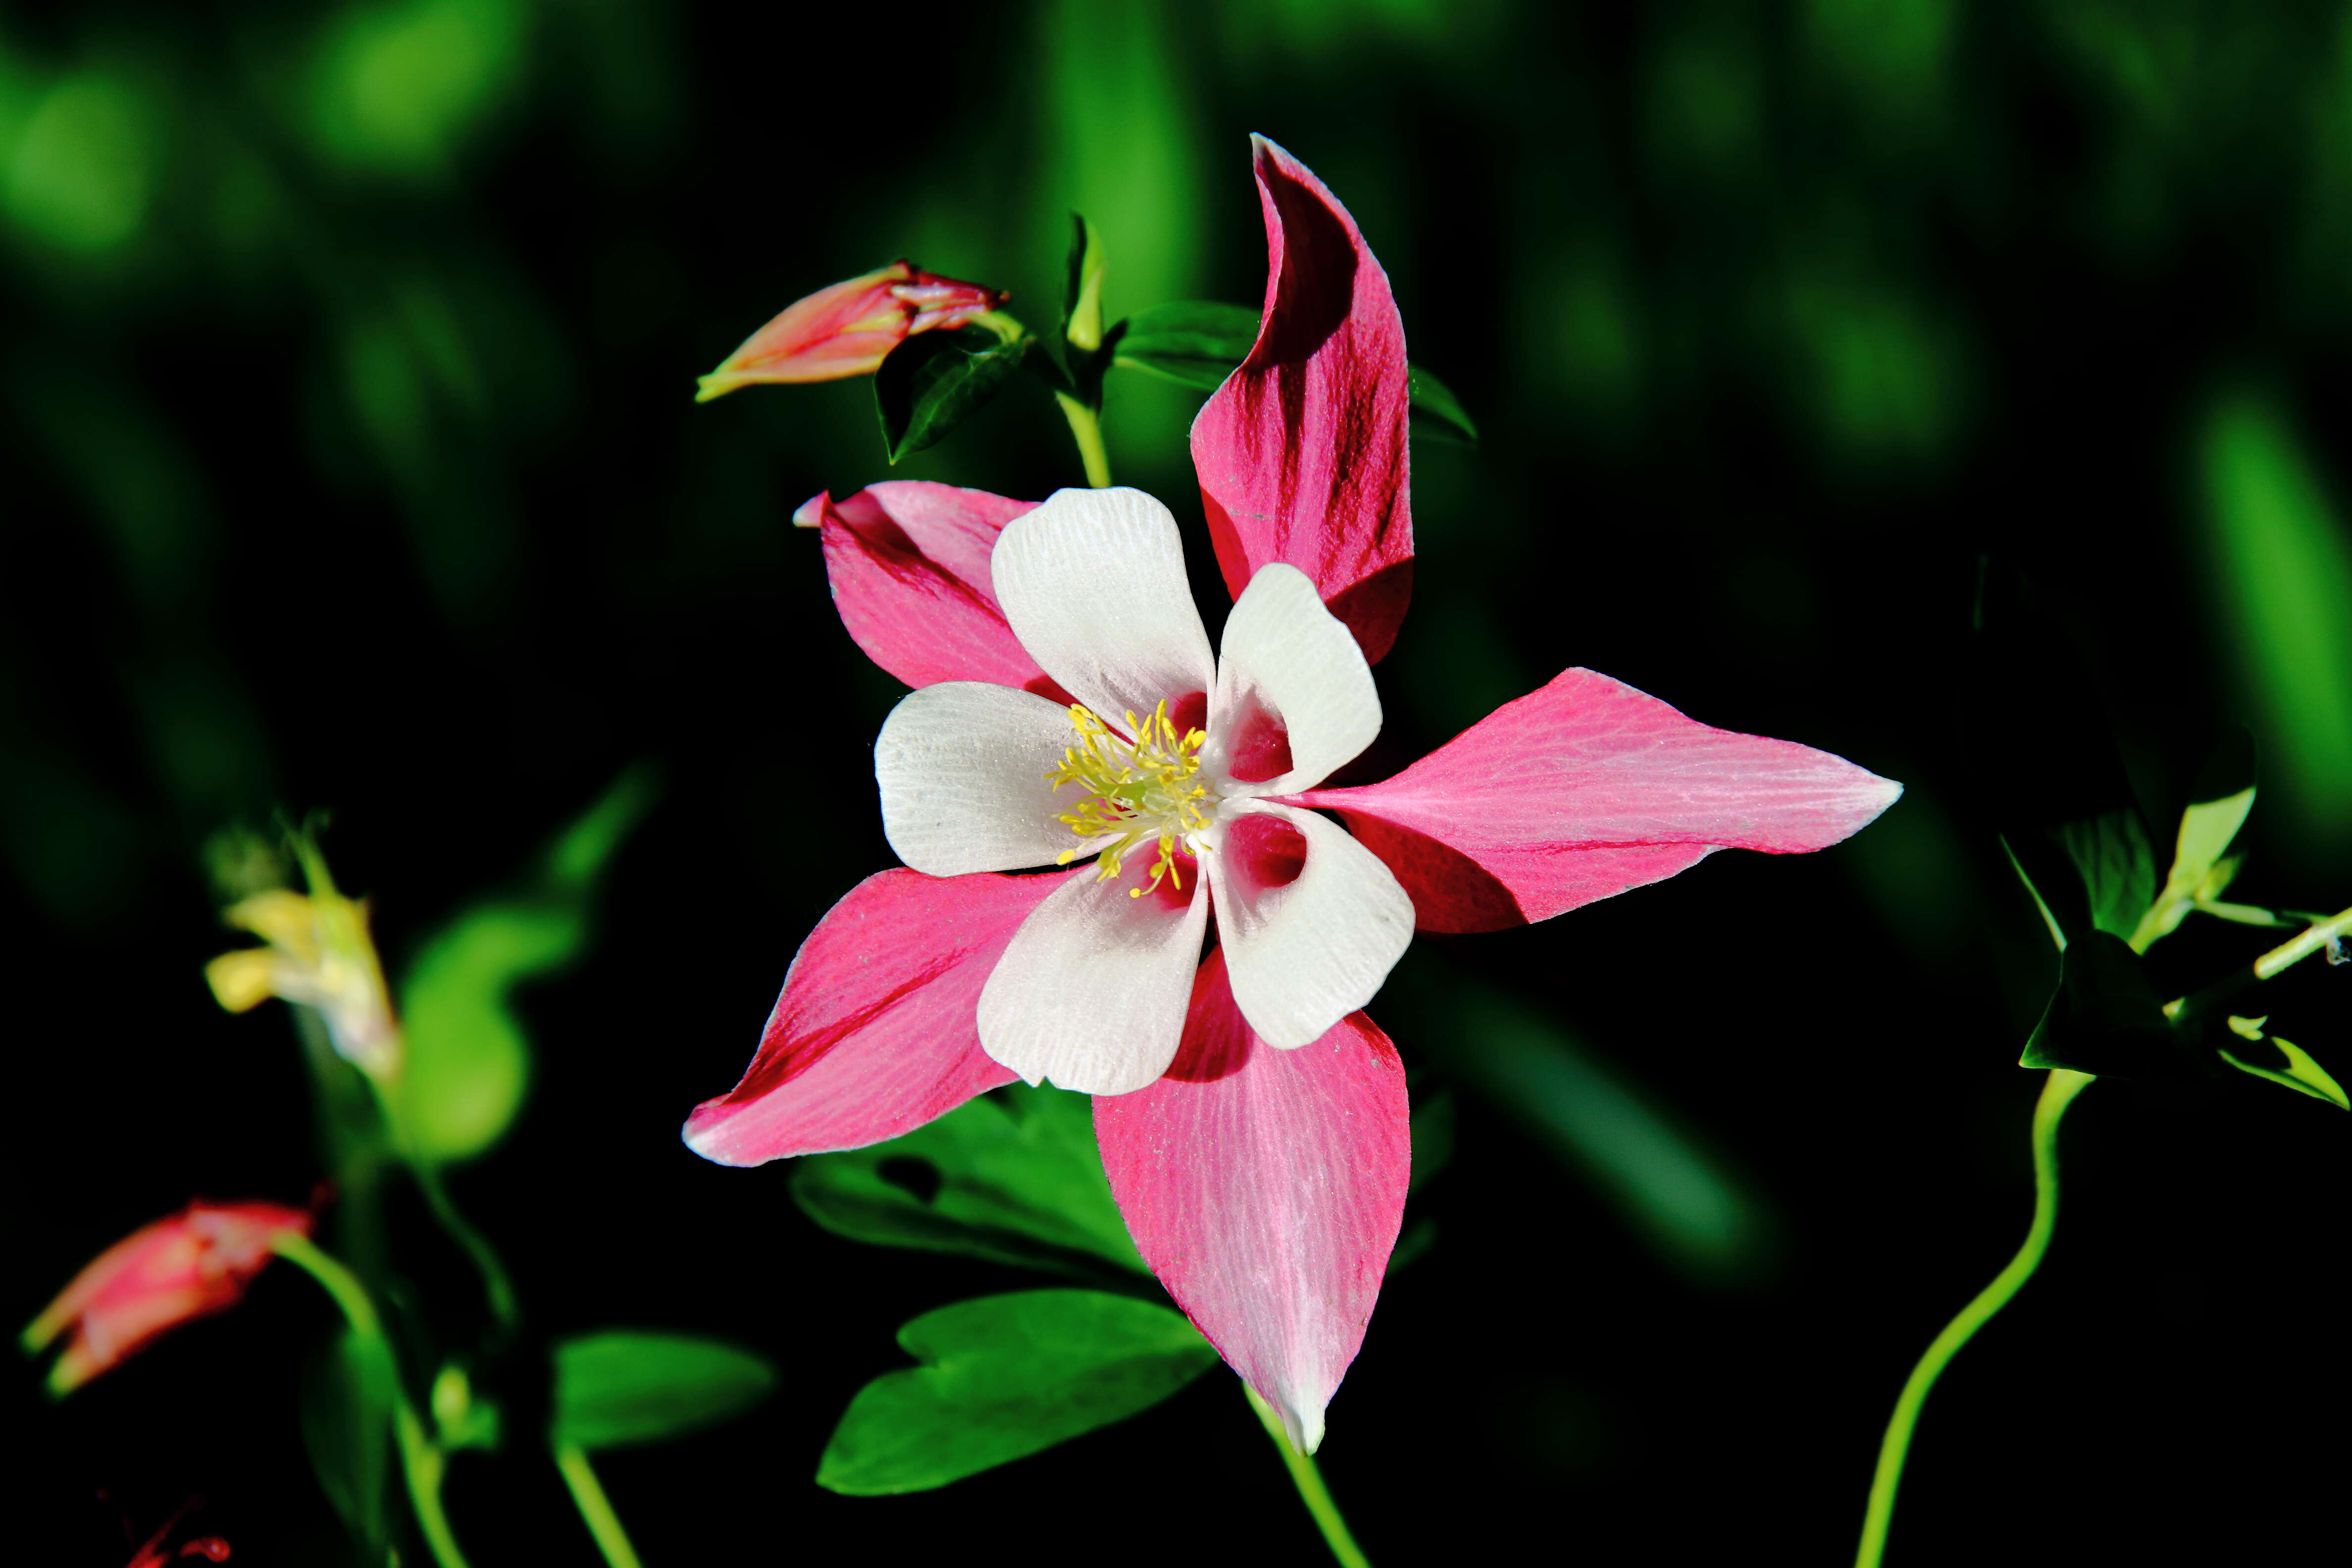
(1302, 454)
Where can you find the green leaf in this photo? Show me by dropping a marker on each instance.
(1003, 1377)
(2107, 1018)
(1082, 321)
(2111, 856)
(1011, 1176)
(620, 1387)
(347, 1398)
(2199, 874)
(466, 1064)
(1436, 412)
(2041, 904)
(1196, 343)
(935, 381)
(2288, 1064)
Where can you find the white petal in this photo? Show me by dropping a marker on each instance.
(962, 768)
(1092, 990)
(1093, 584)
(1285, 654)
(1305, 955)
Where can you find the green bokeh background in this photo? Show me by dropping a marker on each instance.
(347, 355)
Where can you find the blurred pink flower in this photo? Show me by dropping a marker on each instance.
(1252, 1120)
(194, 1263)
(848, 328)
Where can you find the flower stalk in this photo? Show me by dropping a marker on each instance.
(595, 1507)
(2057, 1093)
(421, 1462)
(1309, 1480)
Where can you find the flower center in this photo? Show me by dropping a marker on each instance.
(1135, 791)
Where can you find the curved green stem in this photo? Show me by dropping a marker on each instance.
(595, 1507)
(1311, 1489)
(421, 1463)
(1086, 427)
(2058, 1093)
(496, 1284)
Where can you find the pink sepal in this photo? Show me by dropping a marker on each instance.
(873, 1034)
(1265, 1189)
(1302, 454)
(1584, 789)
(908, 560)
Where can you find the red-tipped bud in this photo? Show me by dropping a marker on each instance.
(196, 1262)
(849, 329)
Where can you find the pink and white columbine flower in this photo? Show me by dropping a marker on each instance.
(1253, 1121)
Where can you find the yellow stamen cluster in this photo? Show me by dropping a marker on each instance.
(1135, 791)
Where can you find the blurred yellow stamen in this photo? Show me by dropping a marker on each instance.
(1135, 791)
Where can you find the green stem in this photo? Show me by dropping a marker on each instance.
(2057, 1093)
(421, 1463)
(1086, 427)
(1311, 1489)
(595, 1507)
(496, 1285)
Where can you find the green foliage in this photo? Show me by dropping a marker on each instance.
(1011, 1176)
(85, 164)
(1198, 343)
(935, 381)
(2111, 854)
(2106, 1017)
(1436, 412)
(2285, 580)
(397, 88)
(1082, 313)
(621, 1388)
(1193, 342)
(1003, 1377)
(347, 1400)
(466, 1064)
(2284, 1063)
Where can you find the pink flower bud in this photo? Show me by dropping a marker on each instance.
(194, 1263)
(849, 329)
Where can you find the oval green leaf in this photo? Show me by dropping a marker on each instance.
(1011, 1176)
(621, 1388)
(1003, 1377)
(935, 381)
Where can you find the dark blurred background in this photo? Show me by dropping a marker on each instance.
(350, 462)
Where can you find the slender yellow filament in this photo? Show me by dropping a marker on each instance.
(1135, 791)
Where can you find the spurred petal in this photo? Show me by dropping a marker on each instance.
(962, 769)
(1090, 993)
(1292, 686)
(908, 564)
(1584, 789)
(1265, 1189)
(1310, 919)
(1302, 454)
(874, 1034)
(1093, 584)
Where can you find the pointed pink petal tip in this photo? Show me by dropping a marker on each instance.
(1302, 454)
(874, 1034)
(1584, 789)
(1264, 1188)
(907, 562)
